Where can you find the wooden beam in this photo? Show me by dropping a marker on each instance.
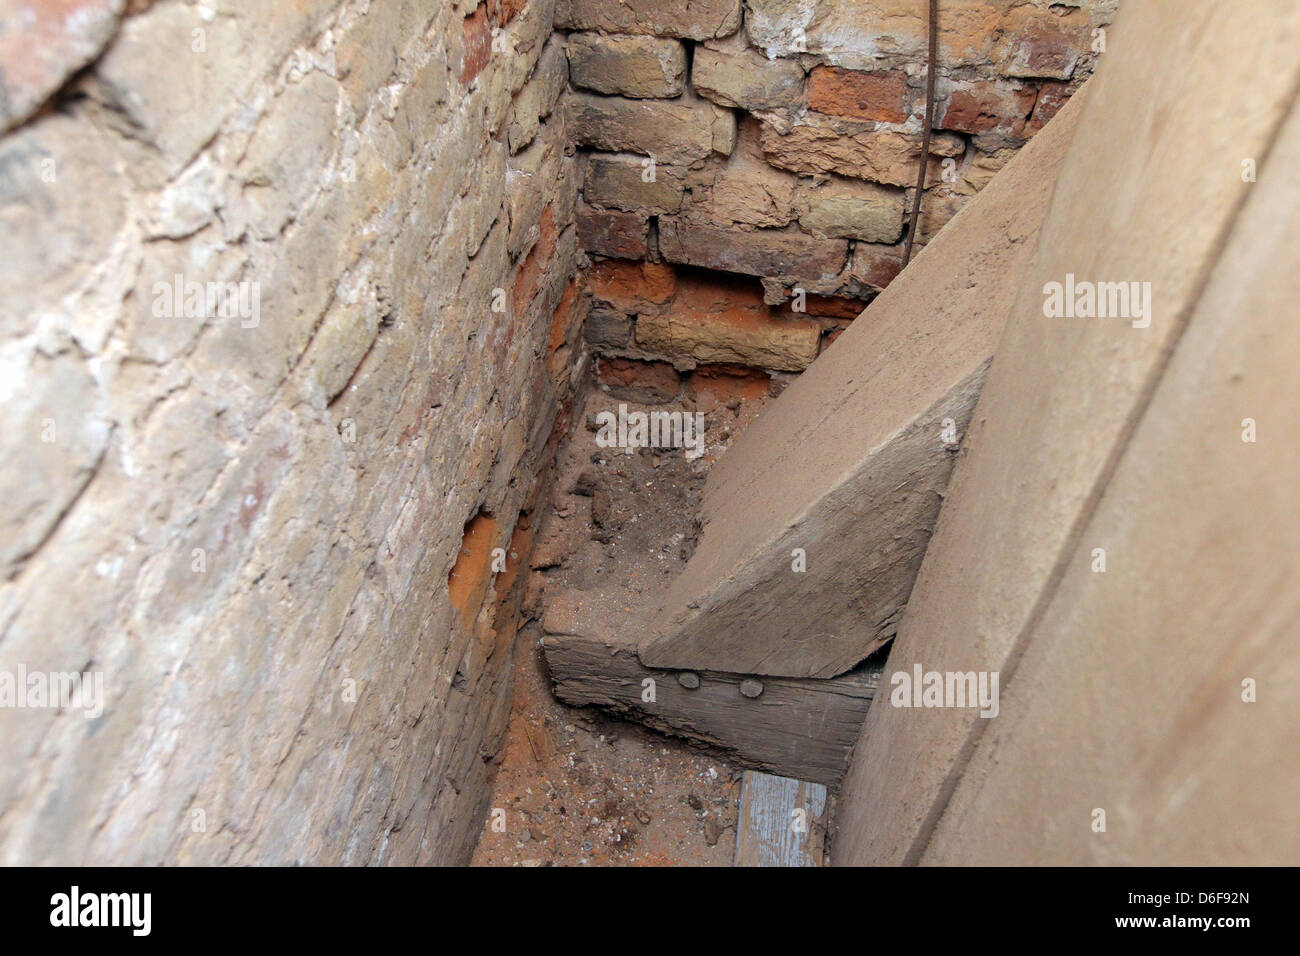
(799, 727)
(1112, 439)
(844, 474)
(782, 822)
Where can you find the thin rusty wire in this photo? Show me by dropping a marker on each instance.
(925, 134)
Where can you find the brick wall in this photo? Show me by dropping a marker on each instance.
(248, 522)
(779, 141)
(291, 318)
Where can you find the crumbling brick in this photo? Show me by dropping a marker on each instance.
(882, 156)
(44, 43)
(651, 383)
(610, 233)
(633, 66)
(989, 107)
(677, 132)
(631, 184)
(759, 252)
(720, 321)
(1036, 42)
(631, 287)
(880, 96)
(714, 385)
(686, 19)
(735, 76)
(478, 44)
(606, 329)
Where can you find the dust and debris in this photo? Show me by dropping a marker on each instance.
(579, 787)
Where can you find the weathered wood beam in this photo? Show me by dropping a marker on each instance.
(782, 822)
(796, 727)
(1115, 444)
(816, 519)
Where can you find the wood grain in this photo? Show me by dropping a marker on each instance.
(782, 821)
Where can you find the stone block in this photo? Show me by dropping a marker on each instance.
(610, 233)
(685, 19)
(43, 43)
(632, 66)
(882, 156)
(650, 383)
(759, 252)
(878, 95)
(630, 183)
(853, 210)
(679, 132)
(737, 76)
(708, 322)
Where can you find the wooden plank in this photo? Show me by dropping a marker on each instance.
(782, 821)
(1062, 400)
(1137, 674)
(796, 726)
(817, 517)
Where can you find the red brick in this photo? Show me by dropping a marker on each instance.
(472, 571)
(984, 107)
(478, 44)
(880, 96)
(876, 265)
(566, 318)
(1051, 97)
(546, 233)
(712, 385)
(649, 382)
(560, 324)
(607, 233)
(632, 287)
(42, 43)
(833, 306)
(529, 276)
